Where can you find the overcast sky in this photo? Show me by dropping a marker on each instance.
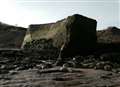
(25, 12)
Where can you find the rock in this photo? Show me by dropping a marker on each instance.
(105, 65)
(78, 59)
(44, 66)
(64, 68)
(39, 66)
(12, 72)
(48, 66)
(20, 68)
(70, 64)
(91, 65)
(2, 67)
(99, 65)
(4, 71)
(106, 76)
(5, 77)
(76, 32)
(115, 70)
(85, 65)
(7, 67)
(116, 65)
(108, 67)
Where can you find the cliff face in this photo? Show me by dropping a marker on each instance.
(55, 31)
(76, 32)
(11, 37)
(109, 35)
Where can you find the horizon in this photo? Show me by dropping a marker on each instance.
(25, 12)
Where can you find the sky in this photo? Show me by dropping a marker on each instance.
(26, 12)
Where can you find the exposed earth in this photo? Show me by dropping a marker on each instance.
(55, 78)
(87, 71)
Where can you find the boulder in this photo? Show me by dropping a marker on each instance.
(76, 33)
(108, 67)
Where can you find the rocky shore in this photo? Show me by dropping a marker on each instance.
(17, 69)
